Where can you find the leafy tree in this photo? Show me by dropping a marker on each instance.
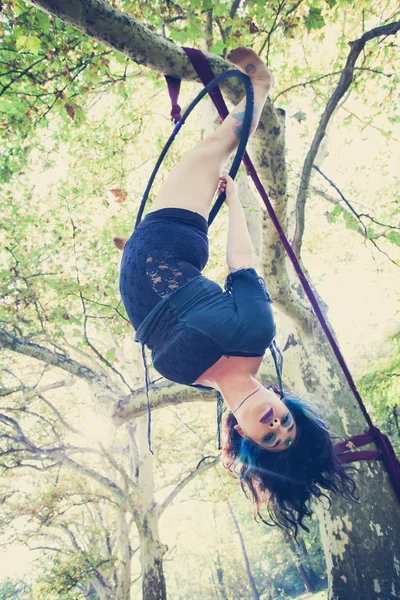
(13, 589)
(59, 302)
(381, 387)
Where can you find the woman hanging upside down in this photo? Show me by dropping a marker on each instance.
(202, 336)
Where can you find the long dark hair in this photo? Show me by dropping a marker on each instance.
(286, 481)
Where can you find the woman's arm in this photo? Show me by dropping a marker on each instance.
(239, 250)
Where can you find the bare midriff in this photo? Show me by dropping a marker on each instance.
(246, 364)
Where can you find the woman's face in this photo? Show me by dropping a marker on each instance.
(266, 420)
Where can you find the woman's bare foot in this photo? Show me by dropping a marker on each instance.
(247, 61)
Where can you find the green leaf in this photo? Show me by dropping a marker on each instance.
(314, 20)
(43, 21)
(33, 44)
(370, 233)
(18, 8)
(300, 116)
(180, 37)
(337, 210)
(110, 355)
(333, 214)
(21, 42)
(80, 116)
(218, 47)
(350, 221)
(394, 237)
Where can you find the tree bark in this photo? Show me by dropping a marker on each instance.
(361, 541)
(124, 556)
(220, 578)
(250, 577)
(218, 566)
(152, 550)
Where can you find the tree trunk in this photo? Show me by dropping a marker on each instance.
(215, 585)
(220, 576)
(153, 586)
(252, 583)
(312, 576)
(99, 590)
(124, 558)
(152, 550)
(305, 579)
(309, 584)
(361, 541)
(218, 566)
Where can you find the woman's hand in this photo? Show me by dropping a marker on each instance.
(227, 185)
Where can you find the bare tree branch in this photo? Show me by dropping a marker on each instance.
(361, 230)
(267, 40)
(233, 9)
(304, 84)
(201, 468)
(9, 341)
(9, 391)
(162, 394)
(358, 217)
(104, 390)
(59, 416)
(86, 316)
(37, 453)
(345, 81)
(127, 480)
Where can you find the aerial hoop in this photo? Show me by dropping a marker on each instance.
(244, 136)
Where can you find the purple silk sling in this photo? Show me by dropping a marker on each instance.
(345, 450)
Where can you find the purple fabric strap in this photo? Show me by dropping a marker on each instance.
(174, 86)
(344, 449)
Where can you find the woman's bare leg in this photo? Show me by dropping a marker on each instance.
(192, 184)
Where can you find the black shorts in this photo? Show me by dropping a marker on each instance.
(168, 248)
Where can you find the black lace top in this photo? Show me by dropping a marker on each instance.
(191, 328)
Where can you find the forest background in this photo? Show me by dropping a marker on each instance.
(81, 128)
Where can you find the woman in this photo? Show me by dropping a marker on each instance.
(205, 337)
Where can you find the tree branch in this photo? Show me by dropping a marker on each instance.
(86, 316)
(233, 9)
(201, 468)
(304, 84)
(77, 547)
(162, 394)
(361, 230)
(364, 230)
(62, 361)
(345, 81)
(59, 416)
(99, 382)
(37, 453)
(114, 28)
(28, 392)
(271, 31)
